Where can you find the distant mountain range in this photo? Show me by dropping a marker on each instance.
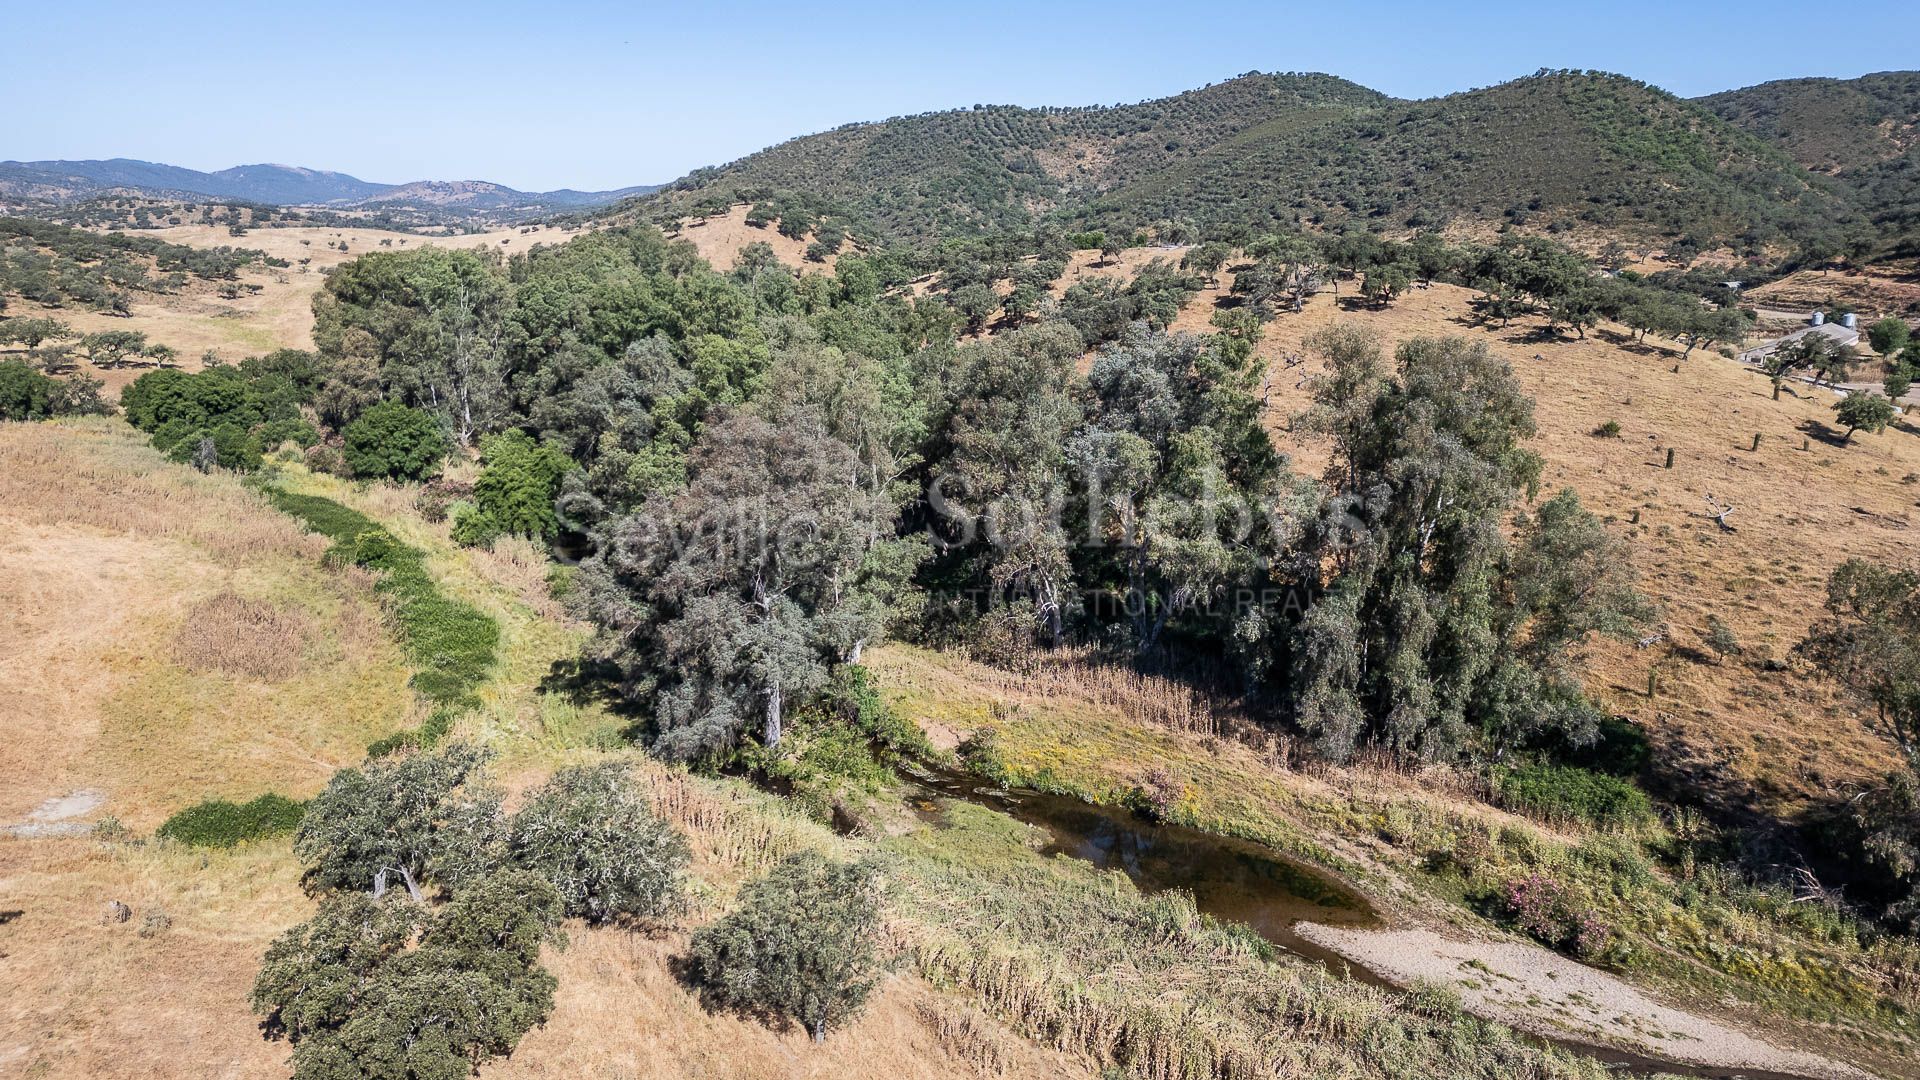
(1808, 161)
(60, 182)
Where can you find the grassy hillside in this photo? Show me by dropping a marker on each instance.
(1008, 963)
(1261, 150)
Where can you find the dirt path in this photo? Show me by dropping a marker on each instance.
(1549, 995)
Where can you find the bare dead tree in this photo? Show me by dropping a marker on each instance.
(1719, 512)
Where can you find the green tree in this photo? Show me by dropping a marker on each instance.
(1899, 379)
(976, 304)
(803, 942)
(1712, 327)
(388, 989)
(597, 840)
(393, 441)
(1207, 259)
(428, 327)
(735, 597)
(1174, 463)
(515, 491)
(1870, 641)
(32, 332)
(1889, 336)
(110, 348)
(1864, 409)
(1432, 626)
(1002, 473)
(414, 818)
(26, 394)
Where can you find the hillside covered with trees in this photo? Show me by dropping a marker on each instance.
(1864, 133)
(1560, 148)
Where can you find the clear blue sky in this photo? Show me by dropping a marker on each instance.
(599, 95)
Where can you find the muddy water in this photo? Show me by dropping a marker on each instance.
(1231, 879)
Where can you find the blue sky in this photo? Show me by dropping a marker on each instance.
(598, 95)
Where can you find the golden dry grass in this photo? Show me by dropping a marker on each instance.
(198, 320)
(83, 998)
(231, 634)
(1872, 292)
(719, 239)
(1803, 505)
(110, 558)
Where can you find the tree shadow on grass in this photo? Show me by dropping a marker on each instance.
(581, 682)
(1826, 433)
(687, 974)
(1628, 343)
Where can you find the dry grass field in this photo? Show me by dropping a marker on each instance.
(279, 314)
(720, 238)
(1872, 292)
(129, 583)
(1802, 502)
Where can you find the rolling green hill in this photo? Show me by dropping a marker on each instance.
(1556, 146)
(997, 167)
(1865, 133)
(1261, 150)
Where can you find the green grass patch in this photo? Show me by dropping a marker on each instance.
(451, 643)
(218, 823)
(1565, 793)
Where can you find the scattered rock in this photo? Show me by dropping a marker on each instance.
(55, 816)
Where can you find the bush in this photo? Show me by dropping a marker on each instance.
(326, 460)
(394, 442)
(1565, 793)
(221, 416)
(597, 840)
(1608, 430)
(26, 394)
(803, 942)
(1545, 910)
(452, 642)
(516, 490)
(217, 823)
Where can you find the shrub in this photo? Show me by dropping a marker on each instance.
(515, 491)
(393, 441)
(326, 460)
(452, 642)
(437, 499)
(1565, 793)
(1545, 910)
(1720, 637)
(1608, 430)
(803, 942)
(26, 394)
(217, 823)
(597, 840)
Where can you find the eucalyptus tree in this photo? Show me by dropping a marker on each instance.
(1430, 628)
(724, 602)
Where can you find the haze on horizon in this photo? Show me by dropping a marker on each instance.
(598, 95)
